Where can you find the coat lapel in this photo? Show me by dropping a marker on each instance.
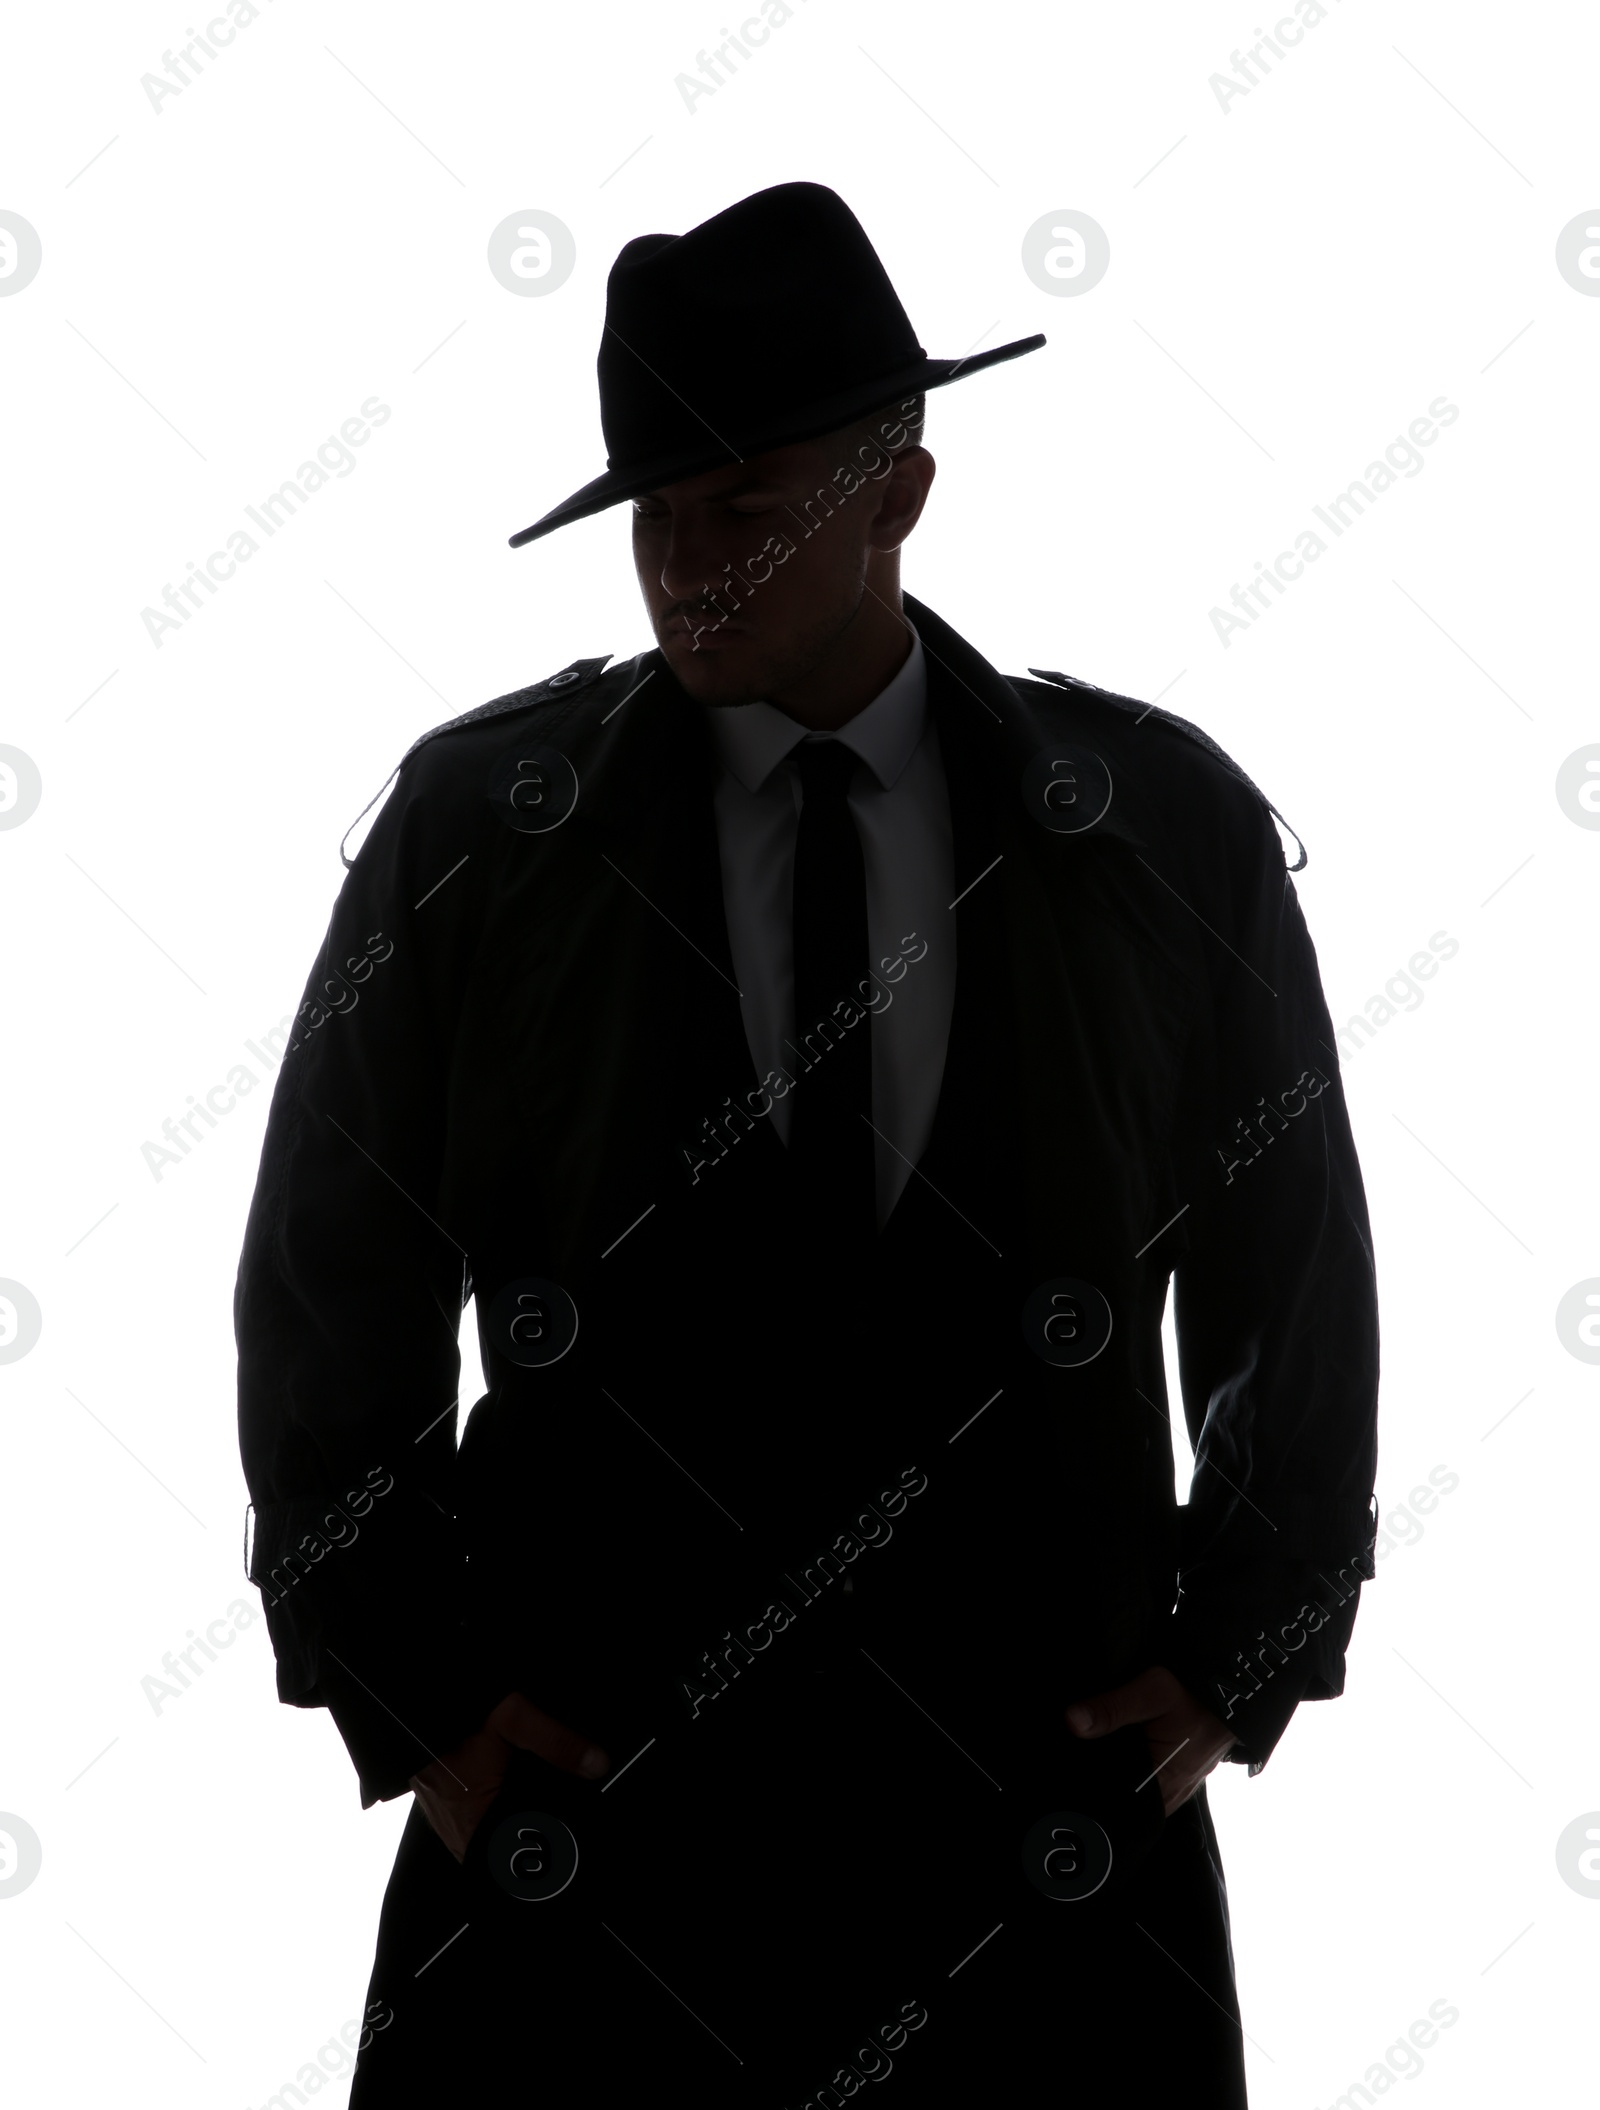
(647, 824)
(1074, 990)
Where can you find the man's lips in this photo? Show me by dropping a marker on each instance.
(705, 631)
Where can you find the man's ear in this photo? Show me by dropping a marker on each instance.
(902, 499)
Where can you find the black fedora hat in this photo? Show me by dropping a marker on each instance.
(770, 323)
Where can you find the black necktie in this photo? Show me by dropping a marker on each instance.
(831, 1143)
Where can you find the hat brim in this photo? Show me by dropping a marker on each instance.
(808, 423)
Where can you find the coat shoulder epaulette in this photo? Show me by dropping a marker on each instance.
(1179, 725)
(561, 687)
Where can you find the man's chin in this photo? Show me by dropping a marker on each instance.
(719, 674)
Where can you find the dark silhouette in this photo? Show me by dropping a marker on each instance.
(816, 1052)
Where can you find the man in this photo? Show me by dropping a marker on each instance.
(816, 1053)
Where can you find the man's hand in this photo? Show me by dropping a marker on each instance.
(1186, 1739)
(457, 1789)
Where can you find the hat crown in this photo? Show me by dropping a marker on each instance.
(779, 300)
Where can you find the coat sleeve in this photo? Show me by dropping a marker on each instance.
(347, 1310)
(1277, 1319)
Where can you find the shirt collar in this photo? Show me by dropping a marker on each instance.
(752, 739)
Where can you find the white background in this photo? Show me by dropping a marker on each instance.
(1292, 281)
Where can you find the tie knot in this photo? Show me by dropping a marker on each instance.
(826, 767)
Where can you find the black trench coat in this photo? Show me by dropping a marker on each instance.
(820, 1560)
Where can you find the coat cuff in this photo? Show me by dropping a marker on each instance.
(405, 1673)
(400, 1709)
(1252, 1639)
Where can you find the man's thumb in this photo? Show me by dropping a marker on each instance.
(1139, 1700)
(520, 1722)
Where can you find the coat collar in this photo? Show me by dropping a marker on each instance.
(625, 752)
(1008, 728)
(1074, 953)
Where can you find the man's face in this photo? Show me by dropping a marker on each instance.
(752, 573)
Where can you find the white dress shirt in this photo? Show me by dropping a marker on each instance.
(901, 808)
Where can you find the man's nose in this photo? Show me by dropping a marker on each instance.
(693, 563)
